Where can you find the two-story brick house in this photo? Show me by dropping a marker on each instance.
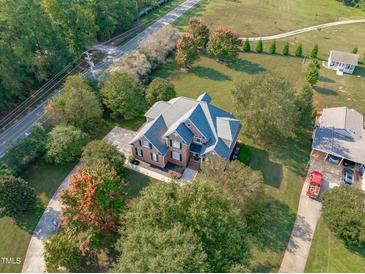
(183, 130)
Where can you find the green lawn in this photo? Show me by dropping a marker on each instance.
(15, 234)
(267, 17)
(136, 182)
(329, 254)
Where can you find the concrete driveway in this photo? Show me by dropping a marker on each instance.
(309, 211)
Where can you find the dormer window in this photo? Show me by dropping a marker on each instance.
(198, 140)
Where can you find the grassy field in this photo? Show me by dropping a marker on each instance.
(15, 234)
(267, 17)
(328, 254)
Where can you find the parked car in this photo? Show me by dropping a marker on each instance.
(348, 176)
(348, 163)
(315, 182)
(333, 159)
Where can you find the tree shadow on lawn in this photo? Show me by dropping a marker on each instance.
(245, 66)
(272, 172)
(270, 227)
(326, 79)
(209, 73)
(325, 91)
(359, 71)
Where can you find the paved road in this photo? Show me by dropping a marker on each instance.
(24, 125)
(298, 31)
(309, 212)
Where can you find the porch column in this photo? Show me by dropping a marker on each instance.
(340, 162)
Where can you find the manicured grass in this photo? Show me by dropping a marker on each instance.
(329, 254)
(15, 234)
(267, 17)
(136, 182)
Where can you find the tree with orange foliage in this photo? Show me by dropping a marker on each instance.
(199, 31)
(223, 43)
(186, 50)
(94, 205)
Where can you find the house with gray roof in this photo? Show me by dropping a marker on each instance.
(342, 61)
(340, 132)
(185, 130)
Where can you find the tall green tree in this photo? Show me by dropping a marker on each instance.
(266, 106)
(76, 21)
(314, 52)
(31, 49)
(304, 102)
(344, 212)
(198, 208)
(299, 51)
(160, 90)
(113, 16)
(186, 50)
(77, 105)
(312, 73)
(123, 95)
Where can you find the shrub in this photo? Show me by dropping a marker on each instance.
(272, 48)
(160, 90)
(131, 159)
(134, 63)
(299, 51)
(99, 150)
(65, 144)
(259, 47)
(355, 50)
(186, 50)
(16, 196)
(246, 46)
(344, 212)
(158, 46)
(62, 252)
(123, 95)
(26, 150)
(286, 49)
(223, 43)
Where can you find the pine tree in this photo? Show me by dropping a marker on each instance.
(314, 52)
(299, 51)
(259, 47)
(286, 49)
(312, 74)
(272, 48)
(246, 46)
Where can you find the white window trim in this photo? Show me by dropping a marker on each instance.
(176, 155)
(139, 152)
(145, 143)
(175, 144)
(198, 140)
(154, 157)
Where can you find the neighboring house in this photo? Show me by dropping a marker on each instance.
(342, 61)
(340, 132)
(185, 130)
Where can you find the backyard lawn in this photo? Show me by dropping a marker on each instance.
(329, 254)
(267, 17)
(283, 166)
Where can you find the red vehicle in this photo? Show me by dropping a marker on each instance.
(315, 182)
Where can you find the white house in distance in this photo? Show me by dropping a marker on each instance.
(342, 62)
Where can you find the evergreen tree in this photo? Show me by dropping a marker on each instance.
(246, 46)
(259, 47)
(299, 51)
(286, 49)
(314, 52)
(355, 50)
(272, 48)
(312, 73)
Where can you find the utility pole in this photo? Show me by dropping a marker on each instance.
(88, 59)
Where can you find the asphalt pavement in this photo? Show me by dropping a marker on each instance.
(23, 127)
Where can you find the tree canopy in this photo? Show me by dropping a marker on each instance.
(199, 31)
(266, 105)
(223, 43)
(200, 210)
(344, 212)
(186, 50)
(160, 90)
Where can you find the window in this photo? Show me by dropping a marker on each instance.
(154, 157)
(139, 152)
(146, 143)
(198, 140)
(176, 144)
(176, 156)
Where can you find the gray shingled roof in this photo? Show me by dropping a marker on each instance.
(344, 57)
(341, 133)
(205, 117)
